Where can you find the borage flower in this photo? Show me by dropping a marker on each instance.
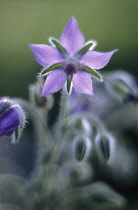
(69, 59)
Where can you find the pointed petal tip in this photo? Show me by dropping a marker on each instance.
(72, 38)
(73, 19)
(91, 94)
(115, 50)
(94, 96)
(95, 59)
(30, 45)
(43, 95)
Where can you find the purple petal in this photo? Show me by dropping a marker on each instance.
(82, 82)
(46, 55)
(10, 131)
(96, 60)
(54, 82)
(72, 38)
(9, 121)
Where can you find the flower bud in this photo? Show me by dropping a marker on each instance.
(122, 85)
(103, 146)
(35, 92)
(81, 148)
(12, 119)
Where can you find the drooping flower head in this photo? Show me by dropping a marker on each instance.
(70, 61)
(12, 119)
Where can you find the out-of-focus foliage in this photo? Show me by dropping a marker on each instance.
(95, 158)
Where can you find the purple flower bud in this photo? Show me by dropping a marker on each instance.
(12, 119)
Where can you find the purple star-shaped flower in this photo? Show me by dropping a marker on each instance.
(70, 61)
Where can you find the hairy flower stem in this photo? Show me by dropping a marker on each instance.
(64, 103)
(53, 149)
(46, 145)
(63, 114)
(42, 133)
(98, 124)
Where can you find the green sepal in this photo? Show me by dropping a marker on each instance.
(16, 135)
(4, 107)
(84, 49)
(105, 147)
(69, 79)
(51, 68)
(59, 46)
(80, 149)
(92, 72)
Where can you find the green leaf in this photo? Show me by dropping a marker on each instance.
(69, 79)
(5, 106)
(59, 46)
(51, 68)
(92, 72)
(84, 49)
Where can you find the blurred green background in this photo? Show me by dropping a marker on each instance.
(113, 23)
